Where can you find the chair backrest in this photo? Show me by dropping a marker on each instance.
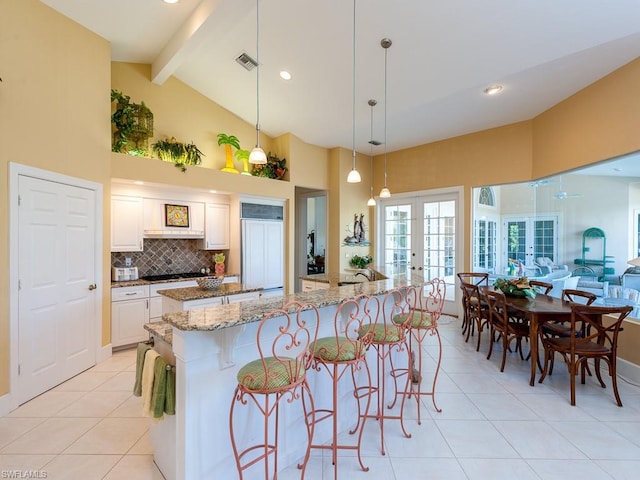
(283, 340)
(589, 320)
(475, 278)
(497, 303)
(472, 298)
(430, 301)
(540, 286)
(578, 296)
(350, 317)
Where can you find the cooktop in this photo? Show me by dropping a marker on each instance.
(172, 276)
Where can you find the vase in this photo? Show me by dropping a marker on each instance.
(219, 268)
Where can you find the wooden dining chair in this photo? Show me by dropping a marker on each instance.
(476, 312)
(501, 323)
(598, 342)
(478, 279)
(541, 287)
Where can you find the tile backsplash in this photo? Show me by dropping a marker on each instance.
(162, 256)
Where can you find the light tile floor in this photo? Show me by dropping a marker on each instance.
(493, 425)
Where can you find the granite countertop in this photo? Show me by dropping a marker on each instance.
(229, 315)
(134, 283)
(381, 272)
(162, 330)
(196, 293)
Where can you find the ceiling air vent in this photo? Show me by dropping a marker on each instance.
(246, 61)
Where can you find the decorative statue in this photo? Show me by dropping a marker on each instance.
(362, 228)
(357, 228)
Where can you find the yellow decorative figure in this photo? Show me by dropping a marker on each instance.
(228, 141)
(244, 156)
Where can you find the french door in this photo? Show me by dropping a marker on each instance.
(422, 234)
(527, 238)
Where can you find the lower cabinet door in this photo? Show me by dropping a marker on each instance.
(127, 321)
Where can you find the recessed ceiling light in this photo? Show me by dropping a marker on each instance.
(213, 191)
(285, 75)
(138, 182)
(492, 89)
(171, 1)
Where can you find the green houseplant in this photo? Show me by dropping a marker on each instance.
(274, 168)
(181, 154)
(360, 262)
(132, 125)
(229, 141)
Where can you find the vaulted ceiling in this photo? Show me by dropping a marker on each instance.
(444, 54)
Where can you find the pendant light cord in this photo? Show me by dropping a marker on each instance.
(353, 93)
(258, 73)
(385, 115)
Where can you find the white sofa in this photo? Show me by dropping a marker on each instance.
(599, 289)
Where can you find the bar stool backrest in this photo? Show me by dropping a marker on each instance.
(283, 340)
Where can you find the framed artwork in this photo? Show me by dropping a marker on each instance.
(176, 215)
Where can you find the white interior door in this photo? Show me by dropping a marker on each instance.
(57, 272)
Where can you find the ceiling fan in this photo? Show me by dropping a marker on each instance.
(561, 195)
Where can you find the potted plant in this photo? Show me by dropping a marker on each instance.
(274, 168)
(360, 262)
(132, 125)
(229, 141)
(182, 154)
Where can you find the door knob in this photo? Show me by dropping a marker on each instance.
(93, 286)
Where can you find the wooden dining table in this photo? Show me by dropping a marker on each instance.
(537, 311)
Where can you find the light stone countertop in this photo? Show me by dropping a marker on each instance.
(229, 315)
(134, 283)
(196, 293)
(162, 330)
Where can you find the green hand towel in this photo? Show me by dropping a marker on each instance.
(159, 388)
(137, 387)
(170, 400)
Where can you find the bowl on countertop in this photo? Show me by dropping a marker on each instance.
(209, 283)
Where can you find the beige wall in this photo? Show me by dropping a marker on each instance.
(54, 115)
(55, 99)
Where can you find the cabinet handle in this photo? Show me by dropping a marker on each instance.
(127, 294)
(93, 286)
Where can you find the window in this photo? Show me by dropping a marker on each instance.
(486, 197)
(485, 245)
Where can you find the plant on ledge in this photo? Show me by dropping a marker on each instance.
(182, 154)
(132, 125)
(360, 262)
(274, 168)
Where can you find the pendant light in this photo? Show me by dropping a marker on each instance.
(257, 155)
(354, 175)
(385, 43)
(372, 201)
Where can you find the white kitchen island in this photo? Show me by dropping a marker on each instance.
(210, 345)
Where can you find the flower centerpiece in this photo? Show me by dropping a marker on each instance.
(515, 287)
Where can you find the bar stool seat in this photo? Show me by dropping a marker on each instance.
(283, 338)
(426, 303)
(387, 336)
(344, 352)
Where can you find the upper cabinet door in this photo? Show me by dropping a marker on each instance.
(216, 231)
(126, 224)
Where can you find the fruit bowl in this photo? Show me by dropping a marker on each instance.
(209, 283)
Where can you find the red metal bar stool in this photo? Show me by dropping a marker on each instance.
(387, 337)
(425, 307)
(283, 340)
(345, 351)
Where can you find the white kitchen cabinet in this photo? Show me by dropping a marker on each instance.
(126, 224)
(216, 227)
(129, 313)
(155, 222)
(155, 299)
(310, 285)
